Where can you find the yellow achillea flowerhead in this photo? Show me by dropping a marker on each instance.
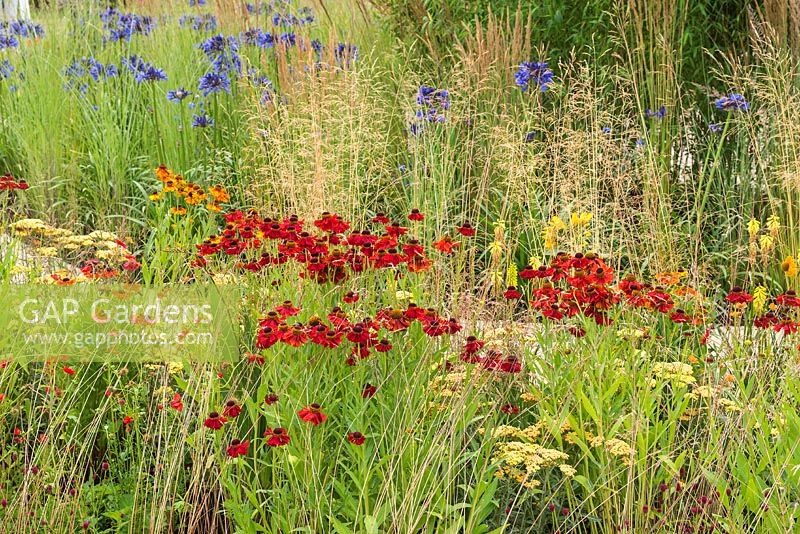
(522, 461)
(789, 267)
(752, 228)
(679, 373)
(760, 296)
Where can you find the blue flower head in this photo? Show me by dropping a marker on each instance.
(143, 71)
(201, 120)
(658, 114)
(732, 102)
(223, 53)
(533, 72)
(178, 95)
(214, 82)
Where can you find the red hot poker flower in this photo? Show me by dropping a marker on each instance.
(312, 414)
(238, 448)
(277, 437)
(356, 438)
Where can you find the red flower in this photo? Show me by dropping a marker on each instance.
(270, 399)
(278, 437)
(739, 296)
(238, 448)
(69, 370)
(383, 346)
(356, 438)
(312, 414)
(786, 327)
(395, 230)
(380, 218)
(466, 230)
(416, 215)
(176, 403)
(131, 264)
(512, 293)
(446, 245)
(351, 297)
(214, 421)
(287, 309)
(789, 299)
(232, 409)
(509, 409)
(127, 420)
(368, 391)
(255, 358)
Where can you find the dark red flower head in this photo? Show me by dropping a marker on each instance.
(356, 438)
(416, 215)
(277, 437)
(238, 448)
(312, 414)
(368, 391)
(232, 409)
(214, 421)
(466, 230)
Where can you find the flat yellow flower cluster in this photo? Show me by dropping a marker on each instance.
(678, 373)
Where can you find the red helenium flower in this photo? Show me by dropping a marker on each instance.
(238, 448)
(356, 438)
(312, 414)
(277, 437)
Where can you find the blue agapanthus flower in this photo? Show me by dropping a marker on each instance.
(123, 26)
(6, 70)
(143, 71)
(197, 3)
(303, 16)
(214, 82)
(531, 136)
(432, 103)
(606, 129)
(288, 39)
(345, 54)
(201, 23)
(535, 73)
(8, 41)
(81, 72)
(732, 102)
(178, 95)
(657, 114)
(223, 53)
(715, 127)
(202, 120)
(26, 29)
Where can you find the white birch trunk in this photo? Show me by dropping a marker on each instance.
(16, 9)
